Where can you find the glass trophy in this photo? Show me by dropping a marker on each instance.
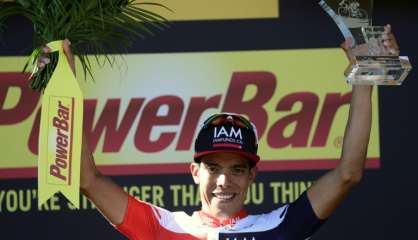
(374, 65)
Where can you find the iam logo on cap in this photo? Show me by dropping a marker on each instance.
(225, 136)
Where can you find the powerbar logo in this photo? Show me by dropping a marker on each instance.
(115, 121)
(60, 140)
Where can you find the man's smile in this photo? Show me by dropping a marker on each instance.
(224, 196)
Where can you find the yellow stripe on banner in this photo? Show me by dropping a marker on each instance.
(218, 9)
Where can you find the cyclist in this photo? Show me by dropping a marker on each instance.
(225, 164)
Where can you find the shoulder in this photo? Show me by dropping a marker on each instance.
(146, 221)
(300, 218)
(289, 220)
(163, 216)
(263, 222)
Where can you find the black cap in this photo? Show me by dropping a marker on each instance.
(227, 137)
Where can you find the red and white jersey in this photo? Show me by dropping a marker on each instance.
(144, 221)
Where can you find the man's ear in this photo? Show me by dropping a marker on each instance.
(194, 169)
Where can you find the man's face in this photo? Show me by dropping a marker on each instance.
(223, 180)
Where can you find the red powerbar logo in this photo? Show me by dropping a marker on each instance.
(61, 127)
(188, 118)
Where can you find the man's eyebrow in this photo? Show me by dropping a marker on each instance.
(240, 166)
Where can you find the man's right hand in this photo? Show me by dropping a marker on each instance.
(389, 42)
(43, 60)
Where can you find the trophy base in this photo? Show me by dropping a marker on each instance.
(379, 70)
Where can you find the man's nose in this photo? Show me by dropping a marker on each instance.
(223, 180)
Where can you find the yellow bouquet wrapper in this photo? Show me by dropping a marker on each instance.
(60, 135)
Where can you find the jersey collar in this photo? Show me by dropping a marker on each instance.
(216, 222)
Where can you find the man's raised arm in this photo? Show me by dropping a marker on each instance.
(106, 195)
(326, 193)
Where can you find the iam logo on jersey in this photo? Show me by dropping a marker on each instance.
(227, 136)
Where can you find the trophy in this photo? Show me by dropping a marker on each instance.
(375, 65)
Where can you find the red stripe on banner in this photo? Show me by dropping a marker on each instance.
(11, 173)
(142, 169)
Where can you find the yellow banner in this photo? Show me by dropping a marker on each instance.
(218, 9)
(183, 10)
(60, 133)
(146, 113)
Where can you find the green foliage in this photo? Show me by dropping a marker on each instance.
(97, 27)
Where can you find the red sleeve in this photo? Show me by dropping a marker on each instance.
(140, 222)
